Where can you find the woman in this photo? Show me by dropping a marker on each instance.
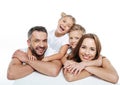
(88, 49)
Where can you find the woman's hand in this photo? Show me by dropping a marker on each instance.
(76, 68)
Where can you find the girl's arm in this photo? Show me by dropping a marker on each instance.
(105, 72)
(58, 55)
(64, 59)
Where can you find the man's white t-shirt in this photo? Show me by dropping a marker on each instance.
(56, 42)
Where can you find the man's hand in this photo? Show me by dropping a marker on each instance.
(22, 56)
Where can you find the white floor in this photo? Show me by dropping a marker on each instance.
(39, 79)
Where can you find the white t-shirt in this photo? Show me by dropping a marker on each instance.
(56, 42)
(69, 50)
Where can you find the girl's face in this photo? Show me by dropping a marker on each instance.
(74, 37)
(87, 50)
(64, 25)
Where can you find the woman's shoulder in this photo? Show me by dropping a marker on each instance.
(105, 59)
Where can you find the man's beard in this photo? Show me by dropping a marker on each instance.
(39, 57)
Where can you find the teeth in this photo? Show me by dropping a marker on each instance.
(86, 57)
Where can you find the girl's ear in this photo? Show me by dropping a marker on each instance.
(63, 14)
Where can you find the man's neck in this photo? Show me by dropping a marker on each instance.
(38, 57)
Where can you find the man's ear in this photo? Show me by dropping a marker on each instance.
(28, 43)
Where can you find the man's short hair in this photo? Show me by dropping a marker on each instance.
(36, 28)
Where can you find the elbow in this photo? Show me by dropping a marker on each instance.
(115, 79)
(55, 72)
(10, 76)
(69, 79)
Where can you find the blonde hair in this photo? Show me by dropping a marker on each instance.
(78, 27)
(70, 16)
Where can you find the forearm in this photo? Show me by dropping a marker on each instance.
(102, 73)
(64, 59)
(70, 77)
(18, 71)
(92, 63)
(47, 68)
(56, 56)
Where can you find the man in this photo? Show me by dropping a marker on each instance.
(21, 66)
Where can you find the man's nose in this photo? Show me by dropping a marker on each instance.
(41, 44)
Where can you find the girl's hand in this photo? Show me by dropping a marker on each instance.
(32, 57)
(45, 59)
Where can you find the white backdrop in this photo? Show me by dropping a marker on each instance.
(18, 16)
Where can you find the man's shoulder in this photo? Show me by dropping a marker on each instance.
(23, 49)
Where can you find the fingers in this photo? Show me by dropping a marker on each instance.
(32, 58)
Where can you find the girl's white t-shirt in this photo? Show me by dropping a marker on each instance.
(55, 43)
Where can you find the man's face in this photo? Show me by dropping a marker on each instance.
(38, 43)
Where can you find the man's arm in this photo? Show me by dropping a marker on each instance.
(48, 68)
(16, 70)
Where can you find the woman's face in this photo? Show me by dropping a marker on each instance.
(87, 50)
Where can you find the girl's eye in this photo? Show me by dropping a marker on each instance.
(69, 26)
(77, 38)
(71, 38)
(64, 21)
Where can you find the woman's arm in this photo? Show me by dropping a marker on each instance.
(105, 72)
(97, 62)
(71, 77)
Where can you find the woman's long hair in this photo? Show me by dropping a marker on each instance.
(74, 55)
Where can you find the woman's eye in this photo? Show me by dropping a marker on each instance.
(82, 46)
(92, 49)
